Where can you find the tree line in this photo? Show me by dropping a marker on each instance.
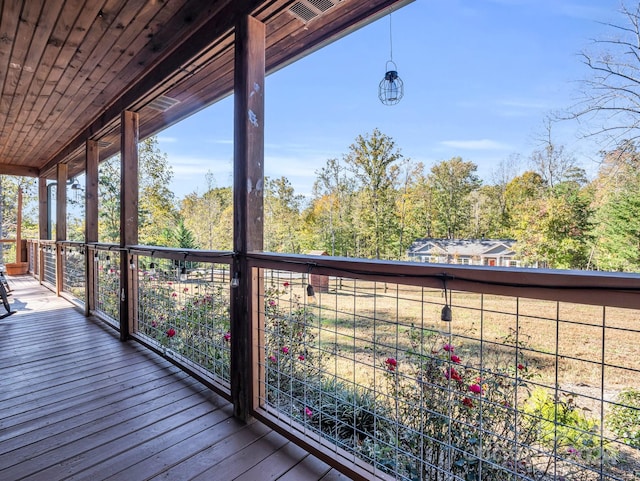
(373, 203)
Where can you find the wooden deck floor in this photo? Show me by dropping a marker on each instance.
(76, 403)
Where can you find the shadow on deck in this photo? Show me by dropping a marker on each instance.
(76, 403)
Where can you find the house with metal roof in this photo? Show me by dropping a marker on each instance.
(476, 252)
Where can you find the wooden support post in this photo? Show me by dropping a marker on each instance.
(61, 223)
(248, 203)
(43, 223)
(129, 132)
(91, 221)
(43, 209)
(19, 258)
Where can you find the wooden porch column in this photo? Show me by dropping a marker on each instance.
(43, 227)
(248, 202)
(91, 221)
(129, 132)
(43, 209)
(61, 222)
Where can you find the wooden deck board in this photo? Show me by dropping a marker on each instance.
(78, 404)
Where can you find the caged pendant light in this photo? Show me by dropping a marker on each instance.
(391, 88)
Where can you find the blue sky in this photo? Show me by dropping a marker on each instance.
(480, 77)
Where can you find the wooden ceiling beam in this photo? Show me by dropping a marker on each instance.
(19, 170)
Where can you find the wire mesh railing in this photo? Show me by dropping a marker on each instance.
(32, 256)
(106, 261)
(422, 383)
(183, 309)
(74, 271)
(48, 251)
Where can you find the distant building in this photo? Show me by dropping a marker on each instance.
(471, 252)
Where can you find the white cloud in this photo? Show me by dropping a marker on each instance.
(483, 144)
(168, 140)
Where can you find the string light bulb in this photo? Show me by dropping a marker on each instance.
(235, 282)
(311, 294)
(152, 268)
(132, 265)
(183, 273)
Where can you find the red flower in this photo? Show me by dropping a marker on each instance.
(286, 284)
(521, 367)
(455, 359)
(448, 347)
(171, 332)
(467, 402)
(272, 303)
(391, 363)
(227, 336)
(453, 374)
(273, 358)
(475, 388)
(308, 412)
(301, 357)
(186, 289)
(285, 350)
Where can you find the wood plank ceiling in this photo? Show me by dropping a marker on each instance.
(69, 67)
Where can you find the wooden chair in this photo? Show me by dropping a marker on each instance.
(4, 294)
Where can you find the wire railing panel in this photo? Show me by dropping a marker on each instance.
(107, 288)
(430, 384)
(49, 263)
(183, 308)
(74, 271)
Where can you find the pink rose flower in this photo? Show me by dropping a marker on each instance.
(391, 363)
(475, 388)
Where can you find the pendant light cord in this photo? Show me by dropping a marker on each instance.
(390, 37)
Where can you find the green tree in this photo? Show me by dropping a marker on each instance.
(183, 237)
(617, 246)
(157, 215)
(331, 209)
(421, 213)
(452, 182)
(157, 211)
(210, 216)
(373, 160)
(552, 226)
(282, 217)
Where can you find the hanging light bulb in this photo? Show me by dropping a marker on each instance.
(183, 273)
(391, 88)
(311, 294)
(96, 257)
(235, 282)
(132, 265)
(152, 268)
(444, 325)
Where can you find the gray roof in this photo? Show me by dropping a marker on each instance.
(463, 247)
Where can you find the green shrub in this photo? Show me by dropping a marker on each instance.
(624, 418)
(564, 427)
